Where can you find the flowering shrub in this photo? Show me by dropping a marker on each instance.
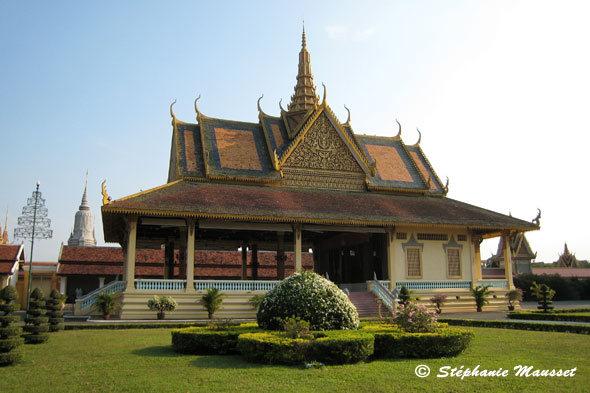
(414, 318)
(438, 301)
(310, 297)
(162, 303)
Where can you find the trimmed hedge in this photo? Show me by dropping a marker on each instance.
(331, 347)
(446, 342)
(37, 325)
(205, 341)
(550, 316)
(538, 326)
(10, 341)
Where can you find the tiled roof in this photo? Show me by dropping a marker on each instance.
(395, 167)
(579, 272)
(108, 261)
(10, 252)
(10, 255)
(278, 204)
(236, 150)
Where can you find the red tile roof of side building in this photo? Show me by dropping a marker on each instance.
(108, 261)
(579, 272)
(10, 255)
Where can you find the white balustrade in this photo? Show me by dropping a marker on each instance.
(142, 284)
(235, 285)
(442, 284)
(91, 298)
(500, 283)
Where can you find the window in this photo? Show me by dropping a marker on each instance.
(414, 262)
(433, 236)
(401, 235)
(462, 238)
(453, 262)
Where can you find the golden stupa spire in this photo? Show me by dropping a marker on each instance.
(305, 97)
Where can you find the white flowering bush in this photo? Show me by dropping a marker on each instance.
(415, 318)
(310, 297)
(162, 303)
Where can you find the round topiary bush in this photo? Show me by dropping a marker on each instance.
(310, 297)
(54, 311)
(36, 323)
(10, 340)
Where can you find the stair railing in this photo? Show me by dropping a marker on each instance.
(387, 297)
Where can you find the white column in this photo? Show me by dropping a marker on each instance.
(297, 247)
(391, 259)
(63, 284)
(476, 263)
(190, 256)
(101, 282)
(129, 264)
(508, 260)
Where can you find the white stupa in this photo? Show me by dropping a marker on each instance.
(83, 233)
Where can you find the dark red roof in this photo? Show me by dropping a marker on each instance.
(9, 256)
(282, 204)
(579, 272)
(108, 261)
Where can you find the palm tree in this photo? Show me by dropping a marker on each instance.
(481, 296)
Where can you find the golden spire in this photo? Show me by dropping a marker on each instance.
(305, 97)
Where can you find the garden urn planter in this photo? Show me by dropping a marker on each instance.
(161, 315)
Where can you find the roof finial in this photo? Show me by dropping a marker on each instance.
(399, 133)
(348, 118)
(446, 188)
(303, 40)
(196, 107)
(84, 205)
(281, 105)
(171, 110)
(419, 136)
(258, 104)
(325, 94)
(305, 97)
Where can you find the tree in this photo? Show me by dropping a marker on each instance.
(481, 296)
(10, 340)
(544, 294)
(36, 322)
(54, 310)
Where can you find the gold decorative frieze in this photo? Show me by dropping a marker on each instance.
(323, 148)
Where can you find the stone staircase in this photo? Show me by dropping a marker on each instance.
(365, 303)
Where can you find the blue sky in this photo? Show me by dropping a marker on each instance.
(499, 90)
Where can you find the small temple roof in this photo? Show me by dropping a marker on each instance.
(10, 256)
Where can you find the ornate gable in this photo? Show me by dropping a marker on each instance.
(322, 159)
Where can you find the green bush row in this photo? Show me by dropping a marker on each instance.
(548, 316)
(538, 326)
(446, 342)
(566, 288)
(330, 347)
(11, 357)
(205, 341)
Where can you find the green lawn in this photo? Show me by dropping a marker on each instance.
(138, 360)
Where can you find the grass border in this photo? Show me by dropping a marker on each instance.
(538, 326)
(549, 316)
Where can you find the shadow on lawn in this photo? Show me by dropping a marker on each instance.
(165, 351)
(224, 361)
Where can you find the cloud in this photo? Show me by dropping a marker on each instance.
(364, 35)
(337, 32)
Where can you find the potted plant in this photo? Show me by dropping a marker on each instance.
(106, 304)
(162, 304)
(513, 296)
(481, 296)
(212, 301)
(438, 301)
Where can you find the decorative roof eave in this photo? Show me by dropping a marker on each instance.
(273, 152)
(143, 193)
(249, 180)
(436, 178)
(146, 212)
(425, 181)
(420, 191)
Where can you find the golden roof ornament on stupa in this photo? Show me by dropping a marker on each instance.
(567, 259)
